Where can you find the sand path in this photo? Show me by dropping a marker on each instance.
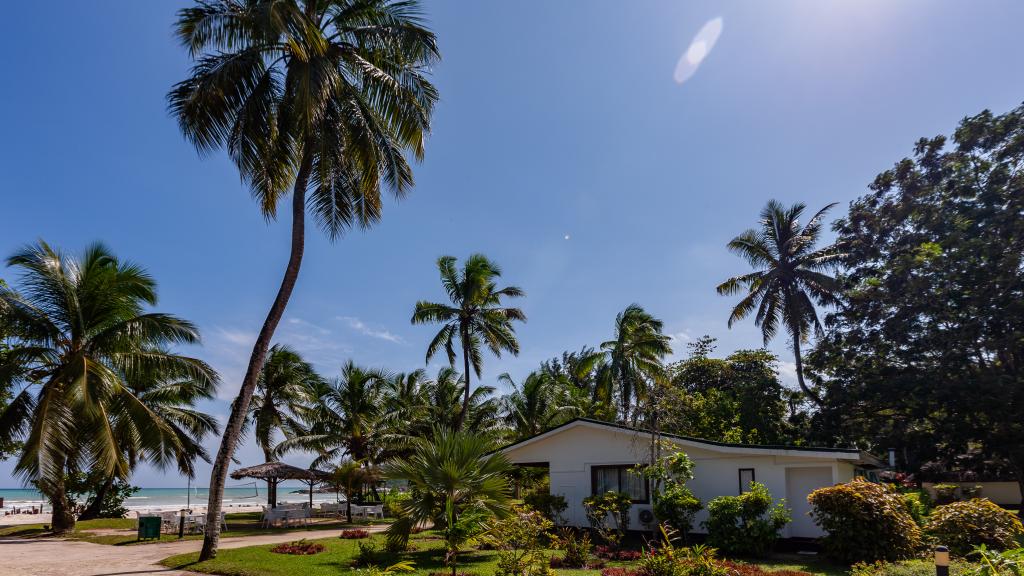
(53, 557)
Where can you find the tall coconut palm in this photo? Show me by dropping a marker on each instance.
(790, 277)
(98, 390)
(475, 316)
(450, 474)
(323, 98)
(344, 419)
(635, 356)
(285, 385)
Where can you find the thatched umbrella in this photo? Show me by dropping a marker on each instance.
(274, 472)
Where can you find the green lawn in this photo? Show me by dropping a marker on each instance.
(121, 531)
(427, 556)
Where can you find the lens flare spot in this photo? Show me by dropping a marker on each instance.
(698, 50)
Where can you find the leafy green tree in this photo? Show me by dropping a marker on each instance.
(325, 99)
(790, 277)
(284, 387)
(635, 357)
(90, 362)
(475, 317)
(926, 355)
(738, 398)
(457, 482)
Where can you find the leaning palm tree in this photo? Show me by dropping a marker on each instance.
(453, 476)
(634, 356)
(285, 385)
(790, 277)
(91, 363)
(323, 99)
(475, 316)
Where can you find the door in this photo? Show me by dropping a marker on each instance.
(799, 483)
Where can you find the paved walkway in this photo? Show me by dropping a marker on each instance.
(53, 557)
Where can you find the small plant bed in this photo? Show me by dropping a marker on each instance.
(354, 534)
(298, 548)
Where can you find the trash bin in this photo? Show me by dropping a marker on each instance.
(149, 527)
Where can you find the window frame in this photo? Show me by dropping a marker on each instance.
(622, 468)
(753, 478)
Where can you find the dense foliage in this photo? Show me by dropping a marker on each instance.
(521, 540)
(962, 526)
(673, 502)
(748, 524)
(926, 352)
(864, 522)
(608, 515)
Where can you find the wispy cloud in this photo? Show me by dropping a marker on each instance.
(363, 328)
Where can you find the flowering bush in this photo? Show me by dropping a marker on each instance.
(865, 522)
(298, 548)
(963, 525)
(520, 539)
(744, 569)
(609, 553)
(353, 534)
(577, 548)
(618, 571)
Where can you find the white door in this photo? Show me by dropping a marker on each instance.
(799, 483)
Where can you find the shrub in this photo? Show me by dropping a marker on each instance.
(298, 548)
(577, 548)
(609, 553)
(744, 569)
(945, 493)
(393, 502)
(552, 506)
(353, 534)
(520, 539)
(366, 554)
(405, 566)
(963, 525)
(918, 505)
(612, 506)
(907, 568)
(996, 563)
(618, 571)
(674, 503)
(747, 524)
(865, 522)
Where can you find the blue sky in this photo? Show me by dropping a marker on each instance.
(563, 148)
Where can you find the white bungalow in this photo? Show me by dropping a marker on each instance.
(585, 457)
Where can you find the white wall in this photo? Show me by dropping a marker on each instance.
(572, 452)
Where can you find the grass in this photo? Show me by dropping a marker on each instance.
(427, 556)
(122, 531)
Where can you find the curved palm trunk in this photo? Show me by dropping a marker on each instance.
(800, 373)
(240, 407)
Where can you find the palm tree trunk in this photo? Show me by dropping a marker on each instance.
(800, 373)
(465, 399)
(240, 407)
(271, 485)
(63, 517)
(94, 509)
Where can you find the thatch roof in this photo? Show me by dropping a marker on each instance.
(278, 471)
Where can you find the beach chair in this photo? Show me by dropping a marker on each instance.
(374, 511)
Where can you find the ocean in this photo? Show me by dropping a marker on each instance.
(177, 498)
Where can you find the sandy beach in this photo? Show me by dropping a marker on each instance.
(23, 518)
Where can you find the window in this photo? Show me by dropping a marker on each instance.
(746, 477)
(619, 479)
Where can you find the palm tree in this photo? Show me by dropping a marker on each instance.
(285, 385)
(475, 317)
(634, 356)
(344, 419)
(790, 277)
(405, 410)
(323, 98)
(455, 479)
(539, 403)
(173, 399)
(445, 397)
(98, 388)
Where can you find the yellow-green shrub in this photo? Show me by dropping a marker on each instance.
(865, 522)
(963, 525)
